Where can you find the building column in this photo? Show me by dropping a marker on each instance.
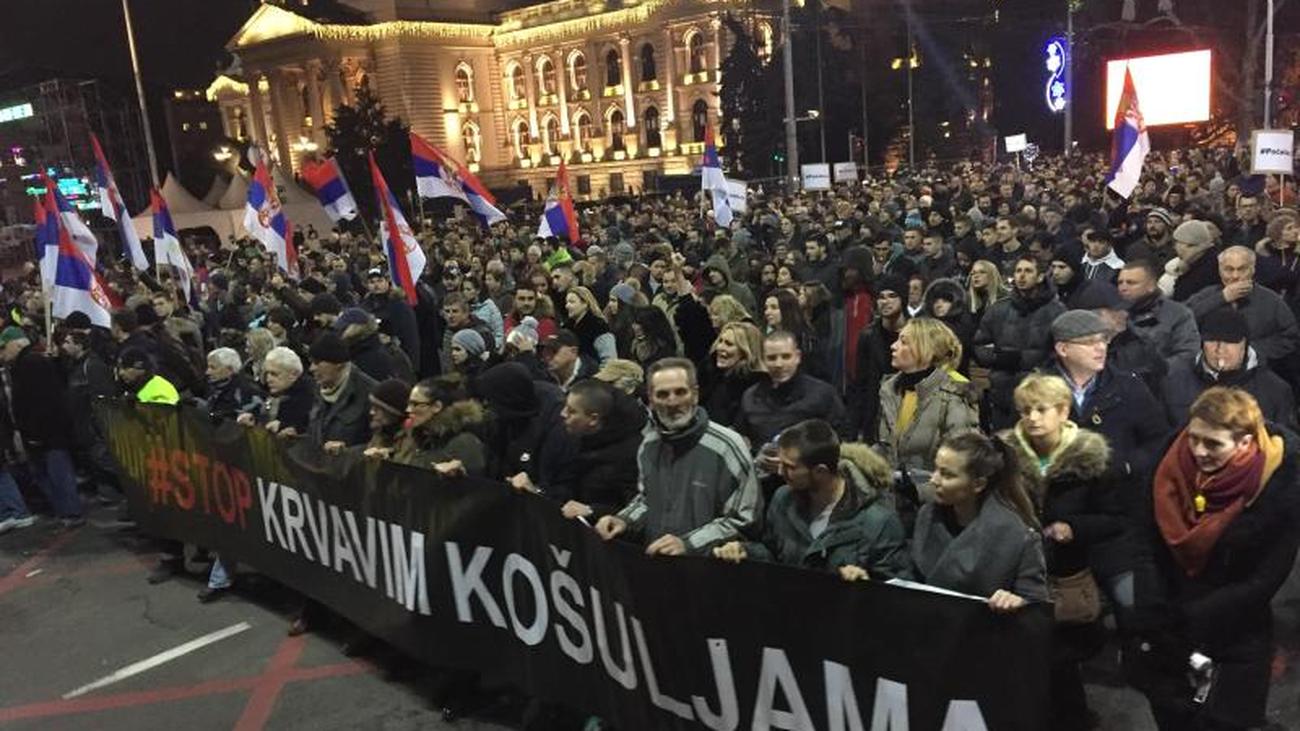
(276, 80)
(530, 94)
(670, 76)
(316, 104)
(562, 76)
(717, 47)
(257, 113)
(629, 112)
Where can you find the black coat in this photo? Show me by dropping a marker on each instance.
(1187, 379)
(40, 400)
(602, 471)
(1121, 408)
(874, 363)
(398, 319)
(1224, 611)
(766, 410)
(1204, 272)
(346, 420)
(293, 406)
(1014, 337)
(721, 393)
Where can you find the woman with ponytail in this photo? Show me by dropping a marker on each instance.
(980, 535)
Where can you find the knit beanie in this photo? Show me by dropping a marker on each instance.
(471, 341)
(329, 348)
(524, 335)
(1224, 325)
(391, 396)
(623, 292)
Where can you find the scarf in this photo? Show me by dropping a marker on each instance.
(1193, 509)
(332, 395)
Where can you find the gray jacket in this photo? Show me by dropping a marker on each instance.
(943, 406)
(697, 483)
(1168, 325)
(1273, 331)
(996, 551)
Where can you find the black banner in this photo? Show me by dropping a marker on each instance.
(470, 574)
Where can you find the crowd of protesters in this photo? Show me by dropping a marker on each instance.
(1007, 383)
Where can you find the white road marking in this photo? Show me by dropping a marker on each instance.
(34, 572)
(159, 659)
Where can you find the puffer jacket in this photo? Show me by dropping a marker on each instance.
(958, 319)
(730, 286)
(943, 406)
(863, 531)
(767, 409)
(367, 352)
(1189, 376)
(1013, 338)
(449, 435)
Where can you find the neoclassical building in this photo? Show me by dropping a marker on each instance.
(622, 90)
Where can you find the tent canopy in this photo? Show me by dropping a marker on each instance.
(215, 191)
(180, 200)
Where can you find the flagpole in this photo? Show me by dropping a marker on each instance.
(139, 91)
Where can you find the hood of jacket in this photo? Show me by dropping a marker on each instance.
(949, 289)
(1086, 456)
(870, 473)
(356, 335)
(717, 263)
(458, 417)
(507, 389)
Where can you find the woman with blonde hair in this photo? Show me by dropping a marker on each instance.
(587, 321)
(985, 288)
(725, 309)
(1220, 541)
(735, 365)
(925, 400)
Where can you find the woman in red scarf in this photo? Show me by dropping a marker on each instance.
(1225, 529)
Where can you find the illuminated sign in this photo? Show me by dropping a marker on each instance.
(16, 112)
(77, 190)
(1057, 57)
(1171, 89)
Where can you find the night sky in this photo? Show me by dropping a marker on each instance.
(180, 41)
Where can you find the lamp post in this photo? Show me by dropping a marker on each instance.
(1069, 75)
(139, 93)
(791, 134)
(1268, 69)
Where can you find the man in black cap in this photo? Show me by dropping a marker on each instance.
(874, 361)
(1067, 274)
(566, 364)
(389, 306)
(1100, 262)
(340, 416)
(1225, 358)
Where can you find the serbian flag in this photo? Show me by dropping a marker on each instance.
(78, 231)
(47, 239)
(76, 286)
(438, 175)
(167, 245)
(1129, 143)
(558, 218)
(265, 221)
(111, 205)
(713, 181)
(405, 257)
(332, 190)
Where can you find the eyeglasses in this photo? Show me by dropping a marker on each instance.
(412, 404)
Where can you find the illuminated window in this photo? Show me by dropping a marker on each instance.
(203, 125)
(648, 71)
(577, 71)
(582, 130)
(696, 52)
(519, 137)
(469, 136)
(766, 42)
(617, 126)
(546, 75)
(613, 68)
(185, 126)
(699, 119)
(551, 135)
(515, 79)
(651, 117)
(464, 83)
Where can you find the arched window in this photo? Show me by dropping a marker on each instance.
(766, 41)
(519, 138)
(652, 138)
(577, 71)
(516, 85)
(469, 136)
(613, 68)
(616, 129)
(582, 130)
(695, 51)
(699, 119)
(546, 75)
(648, 71)
(464, 83)
(304, 103)
(238, 125)
(551, 136)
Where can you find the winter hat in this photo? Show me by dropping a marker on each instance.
(623, 292)
(1076, 324)
(471, 341)
(1223, 325)
(329, 348)
(325, 304)
(391, 396)
(892, 283)
(78, 320)
(352, 316)
(1098, 295)
(1194, 233)
(146, 315)
(1069, 254)
(624, 254)
(507, 389)
(131, 357)
(1161, 214)
(524, 335)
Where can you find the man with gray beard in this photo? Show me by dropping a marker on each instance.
(697, 487)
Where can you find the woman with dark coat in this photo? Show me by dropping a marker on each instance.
(587, 321)
(440, 431)
(652, 337)
(945, 301)
(737, 364)
(781, 311)
(1069, 474)
(1220, 539)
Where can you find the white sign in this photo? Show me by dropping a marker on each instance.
(1272, 151)
(846, 172)
(736, 196)
(816, 176)
(1017, 143)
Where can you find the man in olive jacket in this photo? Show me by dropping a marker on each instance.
(829, 515)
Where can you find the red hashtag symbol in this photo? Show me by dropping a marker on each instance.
(156, 469)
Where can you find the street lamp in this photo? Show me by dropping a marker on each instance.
(223, 154)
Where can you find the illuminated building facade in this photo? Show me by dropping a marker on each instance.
(622, 91)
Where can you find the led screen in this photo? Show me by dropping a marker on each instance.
(1171, 89)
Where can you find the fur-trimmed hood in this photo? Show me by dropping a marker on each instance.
(355, 333)
(949, 289)
(1087, 456)
(458, 417)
